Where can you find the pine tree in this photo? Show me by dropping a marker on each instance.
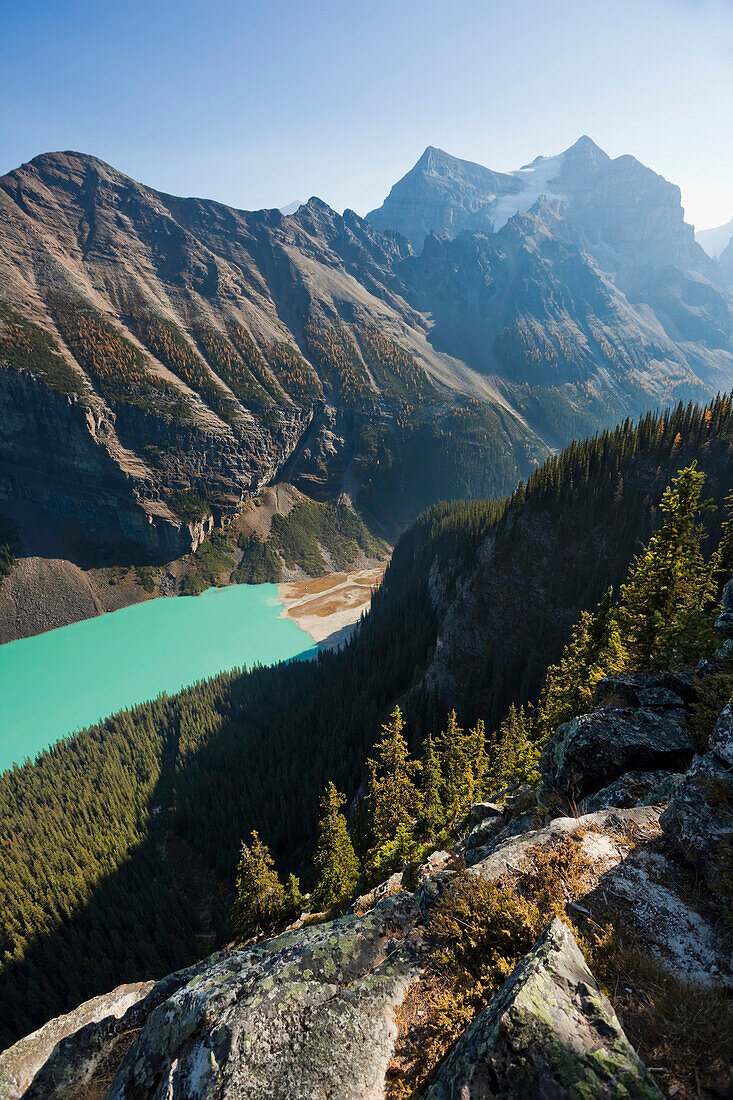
(334, 857)
(662, 603)
(461, 759)
(721, 563)
(595, 650)
(514, 757)
(393, 798)
(294, 902)
(260, 894)
(432, 812)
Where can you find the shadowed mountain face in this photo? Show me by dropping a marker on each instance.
(151, 344)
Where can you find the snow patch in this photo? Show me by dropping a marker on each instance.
(536, 179)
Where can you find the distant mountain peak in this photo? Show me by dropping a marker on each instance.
(716, 240)
(627, 212)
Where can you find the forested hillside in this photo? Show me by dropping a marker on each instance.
(129, 834)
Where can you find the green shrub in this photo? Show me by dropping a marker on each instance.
(146, 576)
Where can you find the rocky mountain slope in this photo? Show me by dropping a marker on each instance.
(478, 599)
(151, 344)
(175, 342)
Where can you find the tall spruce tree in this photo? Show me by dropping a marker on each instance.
(260, 894)
(662, 611)
(334, 857)
(462, 761)
(393, 798)
(514, 757)
(595, 650)
(432, 811)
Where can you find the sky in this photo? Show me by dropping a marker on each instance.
(257, 103)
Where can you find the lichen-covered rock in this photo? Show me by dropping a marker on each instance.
(20, 1063)
(591, 751)
(699, 819)
(721, 739)
(641, 690)
(548, 1033)
(485, 820)
(598, 836)
(307, 1015)
(634, 789)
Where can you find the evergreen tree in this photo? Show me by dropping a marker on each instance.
(662, 603)
(595, 650)
(294, 902)
(721, 563)
(432, 812)
(393, 799)
(334, 857)
(260, 894)
(462, 760)
(514, 757)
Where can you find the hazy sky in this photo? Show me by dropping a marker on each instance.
(257, 104)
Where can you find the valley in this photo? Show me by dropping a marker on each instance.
(365, 583)
(167, 363)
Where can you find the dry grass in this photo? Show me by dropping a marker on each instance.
(554, 876)
(683, 1030)
(97, 1086)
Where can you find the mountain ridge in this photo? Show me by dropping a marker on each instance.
(202, 347)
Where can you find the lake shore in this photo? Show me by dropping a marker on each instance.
(328, 608)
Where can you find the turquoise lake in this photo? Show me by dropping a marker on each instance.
(69, 678)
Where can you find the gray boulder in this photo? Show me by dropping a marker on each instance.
(634, 789)
(721, 739)
(20, 1063)
(306, 1015)
(548, 1033)
(642, 690)
(486, 820)
(589, 752)
(699, 820)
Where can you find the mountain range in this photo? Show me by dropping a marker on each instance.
(441, 347)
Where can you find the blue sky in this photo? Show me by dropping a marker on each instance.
(256, 104)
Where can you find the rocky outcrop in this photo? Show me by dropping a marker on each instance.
(549, 1032)
(721, 738)
(634, 789)
(588, 751)
(20, 1063)
(644, 690)
(699, 820)
(307, 1014)
(316, 1012)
